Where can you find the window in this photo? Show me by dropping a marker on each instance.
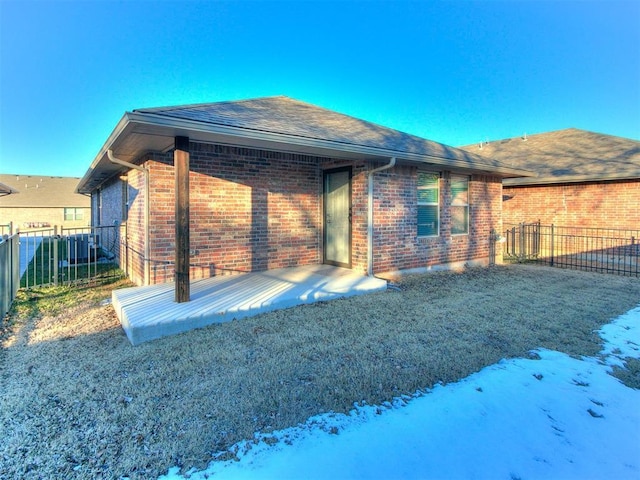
(459, 205)
(428, 204)
(73, 213)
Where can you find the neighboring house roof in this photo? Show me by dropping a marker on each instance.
(566, 156)
(41, 191)
(274, 123)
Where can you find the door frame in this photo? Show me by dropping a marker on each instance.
(325, 173)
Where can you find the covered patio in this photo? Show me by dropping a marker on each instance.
(150, 312)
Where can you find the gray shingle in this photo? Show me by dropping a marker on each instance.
(287, 116)
(276, 123)
(42, 191)
(566, 153)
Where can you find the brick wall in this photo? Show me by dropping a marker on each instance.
(257, 210)
(597, 204)
(249, 210)
(134, 248)
(396, 243)
(108, 204)
(109, 208)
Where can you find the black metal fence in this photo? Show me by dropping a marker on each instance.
(595, 249)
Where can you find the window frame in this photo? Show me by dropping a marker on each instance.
(73, 213)
(435, 204)
(455, 203)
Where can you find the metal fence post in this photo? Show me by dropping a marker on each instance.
(521, 253)
(55, 255)
(552, 231)
(633, 252)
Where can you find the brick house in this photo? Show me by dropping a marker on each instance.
(584, 179)
(274, 182)
(35, 201)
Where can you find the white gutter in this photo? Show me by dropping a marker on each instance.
(117, 161)
(391, 163)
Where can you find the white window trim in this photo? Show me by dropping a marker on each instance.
(75, 214)
(467, 204)
(418, 203)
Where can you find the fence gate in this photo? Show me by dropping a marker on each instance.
(523, 242)
(596, 249)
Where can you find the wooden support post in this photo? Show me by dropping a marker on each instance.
(181, 166)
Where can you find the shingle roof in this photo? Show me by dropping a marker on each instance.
(284, 115)
(569, 155)
(278, 124)
(42, 191)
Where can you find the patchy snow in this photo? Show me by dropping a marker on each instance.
(552, 417)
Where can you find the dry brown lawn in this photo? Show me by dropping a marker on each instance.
(78, 401)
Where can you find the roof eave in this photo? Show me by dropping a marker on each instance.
(162, 125)
(548, 180)
(115, 134)
(188, 126)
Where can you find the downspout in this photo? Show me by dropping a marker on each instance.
(391, 163)
(147, 266)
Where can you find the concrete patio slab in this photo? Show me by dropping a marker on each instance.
(150, 312)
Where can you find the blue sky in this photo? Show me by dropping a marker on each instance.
(453, 72)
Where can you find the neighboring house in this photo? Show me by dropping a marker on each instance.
(275, 182)
(36, 201)
(584, 179)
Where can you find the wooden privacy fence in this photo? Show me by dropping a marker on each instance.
(596, 249)
(9, 273)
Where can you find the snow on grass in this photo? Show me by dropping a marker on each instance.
(622, 338)
(551, 416)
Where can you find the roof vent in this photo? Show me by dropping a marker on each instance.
(482, 144)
